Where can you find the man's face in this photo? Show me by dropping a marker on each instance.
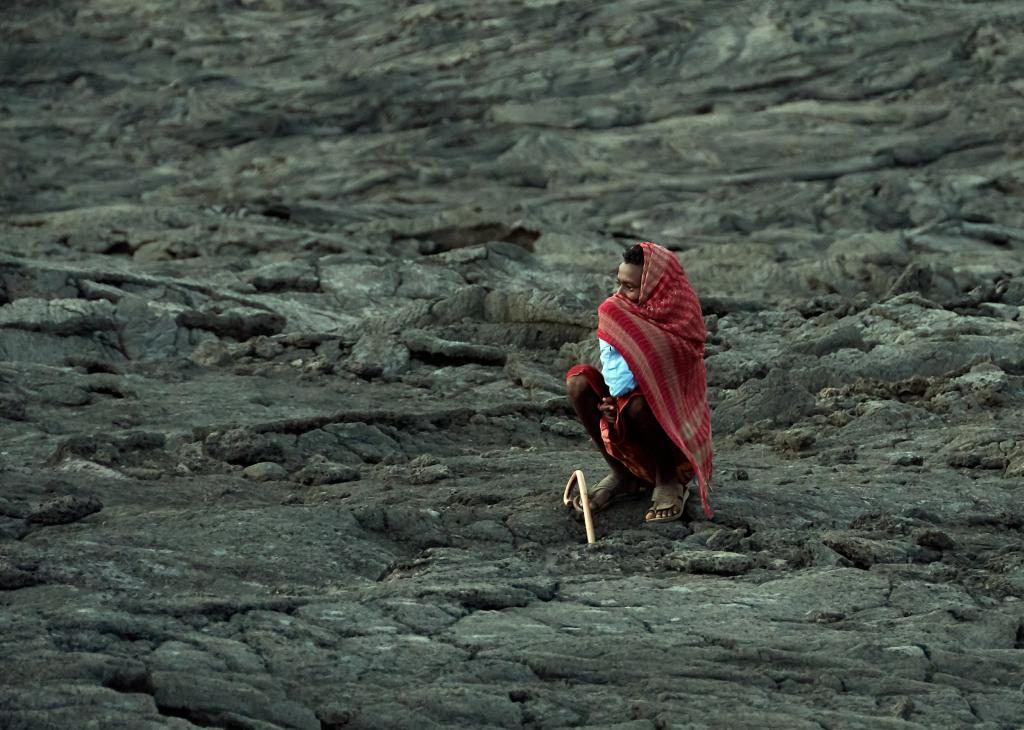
(629, 281)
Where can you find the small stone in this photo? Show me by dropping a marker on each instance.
(429, 474)
(749, 432)
(334, 714)
(907, 458)
(93, 469)
(935, 539)
(714, 562)
(211, 353)
(740, 475)
(795, 439)
(839, 455)
(985, 384)
(911, 650)
(265, 471)
(423, 460)
(319, 471)
(819, 616)
(266, 348)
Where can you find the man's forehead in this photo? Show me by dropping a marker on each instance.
(629, 271)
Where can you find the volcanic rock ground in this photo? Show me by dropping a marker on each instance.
(288, 291)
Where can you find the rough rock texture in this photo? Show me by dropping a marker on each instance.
(287, 292)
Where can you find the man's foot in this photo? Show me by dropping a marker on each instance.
(667, 504)
(608, 491)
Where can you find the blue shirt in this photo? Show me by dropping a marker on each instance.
(617, 374)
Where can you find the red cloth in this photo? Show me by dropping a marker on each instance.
(661, 338)
(617, 440)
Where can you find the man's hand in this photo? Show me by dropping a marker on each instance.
(608, 409)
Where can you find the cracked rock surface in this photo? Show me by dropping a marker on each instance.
(287, 293)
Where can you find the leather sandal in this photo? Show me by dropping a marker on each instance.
(667, 505)
(605, 493)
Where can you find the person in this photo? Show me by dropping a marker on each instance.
(647, 409)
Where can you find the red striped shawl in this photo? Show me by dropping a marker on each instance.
(662, 339)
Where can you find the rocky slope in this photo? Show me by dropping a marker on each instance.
(287, 291)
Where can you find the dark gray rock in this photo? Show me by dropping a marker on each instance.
(317, 441)
(12, 408)
(778, 398)
(218, 251)
(45, 348)
(915, 277)
(731, 369)
(436, 350)
(210, 699)
(717, 562)
(864, 552)
(65, 394)
(64, 509)
(368, 442)
(795, 439)
(243, 447)
(237, 323)
(375, 356)
(840, 337)
(151, 331)
(58, 316)
(427, 469)
(284, 276)
(13, 577)
(466, 303)
(1011, 291)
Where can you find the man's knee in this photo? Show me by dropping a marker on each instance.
(577, 387)
(636, 411)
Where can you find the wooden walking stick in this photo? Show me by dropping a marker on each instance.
(588, 520)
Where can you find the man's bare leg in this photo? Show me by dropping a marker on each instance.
(649, 436)
(585, 402)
